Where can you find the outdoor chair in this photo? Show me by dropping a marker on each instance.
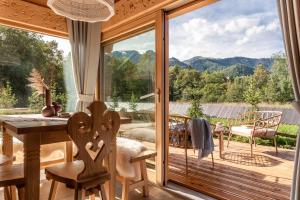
(259, 124)
(178, 130)
(93, 136)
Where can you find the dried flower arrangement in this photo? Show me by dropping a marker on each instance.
(37, 83)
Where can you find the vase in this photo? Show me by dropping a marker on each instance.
(48, 110)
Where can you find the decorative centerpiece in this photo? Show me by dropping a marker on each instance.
(37, 83)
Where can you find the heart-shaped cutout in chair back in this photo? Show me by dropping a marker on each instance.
(93, 136)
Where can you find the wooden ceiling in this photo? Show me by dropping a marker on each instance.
(43, 2)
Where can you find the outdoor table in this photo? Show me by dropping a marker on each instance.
(34, 131)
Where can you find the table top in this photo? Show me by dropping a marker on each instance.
(29, 123)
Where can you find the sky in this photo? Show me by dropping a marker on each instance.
(227, 28)
(63, 44)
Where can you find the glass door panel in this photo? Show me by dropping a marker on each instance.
(129, 85)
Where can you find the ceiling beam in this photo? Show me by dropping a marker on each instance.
(29, 16)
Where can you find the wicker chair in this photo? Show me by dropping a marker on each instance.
(262, 124)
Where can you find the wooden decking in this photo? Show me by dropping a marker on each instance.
(237, 176)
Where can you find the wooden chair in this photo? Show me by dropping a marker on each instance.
(11, 176)
(128, 184)
(262, 124)
(93, 136)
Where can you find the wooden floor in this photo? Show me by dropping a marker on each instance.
(156, 193)
(237, 176)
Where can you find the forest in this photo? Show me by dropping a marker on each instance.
(263, 85)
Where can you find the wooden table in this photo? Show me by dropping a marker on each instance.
(34, 131)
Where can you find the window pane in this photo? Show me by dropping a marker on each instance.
(24, 58)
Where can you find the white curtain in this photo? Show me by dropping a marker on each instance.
(289, 11)
(85, 45)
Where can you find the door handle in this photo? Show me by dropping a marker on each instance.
(157, 95)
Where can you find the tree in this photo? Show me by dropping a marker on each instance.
(252, 95)
(279, 87)
(214, 87)
(7, 97)
(235, 89)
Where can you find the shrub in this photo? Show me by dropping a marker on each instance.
(195, 111)
(7, 97)
(133, 102)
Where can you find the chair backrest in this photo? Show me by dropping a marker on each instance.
(93, 135)
(269, 119)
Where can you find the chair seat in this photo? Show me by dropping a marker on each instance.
(5, 159)
(247, 131)
(11, 175)
(68, 173)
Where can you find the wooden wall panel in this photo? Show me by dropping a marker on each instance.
(128, 9)
(32, 17)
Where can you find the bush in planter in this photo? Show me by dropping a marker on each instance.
(195, 111)
(133, 102)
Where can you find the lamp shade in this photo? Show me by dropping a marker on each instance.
(83, 10)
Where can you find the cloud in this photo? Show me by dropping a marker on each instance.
(249, 30)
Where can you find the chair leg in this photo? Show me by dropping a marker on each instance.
(21, 193)
(144, 178)
(251, 144)
(79, 194)
(229, 137)
(53, 190)
(7, 195)
(212, 159)
(102, 192)
(275, 144)
(125, 189)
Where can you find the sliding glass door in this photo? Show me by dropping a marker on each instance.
(128, 85)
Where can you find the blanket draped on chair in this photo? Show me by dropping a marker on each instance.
(202, 139)
(126, 149)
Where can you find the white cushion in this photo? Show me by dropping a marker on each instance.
(247, 131)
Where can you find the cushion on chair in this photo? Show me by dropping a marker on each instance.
(247, 131)
(68, 173)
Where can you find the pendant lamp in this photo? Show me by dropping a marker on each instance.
(83, 10)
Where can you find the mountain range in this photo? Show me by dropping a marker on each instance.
(233, 66)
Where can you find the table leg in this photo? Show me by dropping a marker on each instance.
(7, 149)
(221, 144)
(32, 166)
(69, 151)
